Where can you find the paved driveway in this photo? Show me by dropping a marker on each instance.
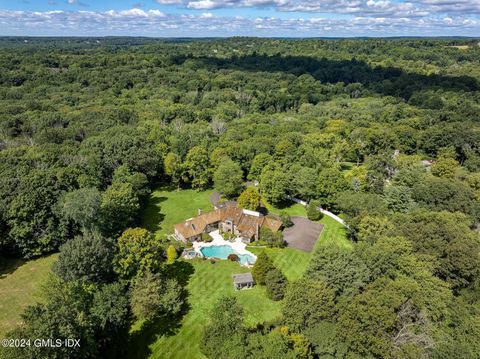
(303, 234)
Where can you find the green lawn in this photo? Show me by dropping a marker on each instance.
(333, 233)
(207, 282)
(289, 207)
(290, 261)
(206, 285)
(167, 207)
(19, 286)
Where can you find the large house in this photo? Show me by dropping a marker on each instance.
(228, 218)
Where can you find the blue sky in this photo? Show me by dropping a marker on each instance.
(197, 18)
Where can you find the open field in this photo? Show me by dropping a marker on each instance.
(19, 286)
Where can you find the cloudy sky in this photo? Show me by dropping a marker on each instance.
(197, 18)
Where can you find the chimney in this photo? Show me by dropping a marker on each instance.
(199, 211)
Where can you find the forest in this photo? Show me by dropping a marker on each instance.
(383, 132)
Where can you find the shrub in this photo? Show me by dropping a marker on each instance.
(285, 217)
(313, 213)
(172, 254)
(233, 257)
(206, 237)
(270, 239)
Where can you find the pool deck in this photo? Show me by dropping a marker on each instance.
(238, 246)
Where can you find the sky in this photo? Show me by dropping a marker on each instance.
(266, 18)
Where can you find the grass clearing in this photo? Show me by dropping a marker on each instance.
(19, 286)
(333, 233)
(167, 207)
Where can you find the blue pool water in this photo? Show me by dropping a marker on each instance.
(222, 252)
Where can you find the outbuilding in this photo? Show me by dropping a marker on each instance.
(243, 281)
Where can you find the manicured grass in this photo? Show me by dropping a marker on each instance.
(167, 207)
(289, 207)
(292, 262)
(19, 286)
(206, 285)
(180, 338)
(333, 233)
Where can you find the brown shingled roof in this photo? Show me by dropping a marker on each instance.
(246, 223)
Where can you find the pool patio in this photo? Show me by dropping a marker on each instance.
(238, 246)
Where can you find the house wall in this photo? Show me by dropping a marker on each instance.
(179, 236)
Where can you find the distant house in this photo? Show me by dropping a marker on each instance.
(229, 219)
(243, 281)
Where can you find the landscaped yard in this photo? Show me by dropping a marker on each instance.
(208, 281)
(167, 207)
(19, 286)
(206, 285)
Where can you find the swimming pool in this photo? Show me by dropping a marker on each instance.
(222, 252)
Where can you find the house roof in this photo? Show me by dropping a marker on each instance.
(244, 278)
(246, 223)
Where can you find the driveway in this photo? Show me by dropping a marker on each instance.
(303, 234)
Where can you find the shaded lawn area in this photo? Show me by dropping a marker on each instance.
(20, 283)
(167, 207)
(206, 285)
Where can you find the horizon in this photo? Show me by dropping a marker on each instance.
(228, 18)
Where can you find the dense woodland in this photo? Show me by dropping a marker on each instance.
(385, 133)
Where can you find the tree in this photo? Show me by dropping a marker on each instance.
(138, 253)
(86, 258)
(111, 313)
(173, 168)
(446, 165)
(258, 163)
(439, 194)
(446, 237)
(287, 221)
(225, 330)
(304, 182)
(152, 297)
(330, 182)
(138, 180)
(307, 302)
(118, 208)
(271, 239)
(274, 184)
(82, 206)
(198, 167)
(228, 178)
(33, 225)
(172, 254)
(262, 266)
(64, 315)
(276, 283)
(250, 199)
(340, 269)
(398, 198)
(313, 213)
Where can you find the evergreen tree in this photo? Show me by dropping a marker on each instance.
(262, 266)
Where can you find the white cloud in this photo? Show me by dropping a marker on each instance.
(381, 21)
